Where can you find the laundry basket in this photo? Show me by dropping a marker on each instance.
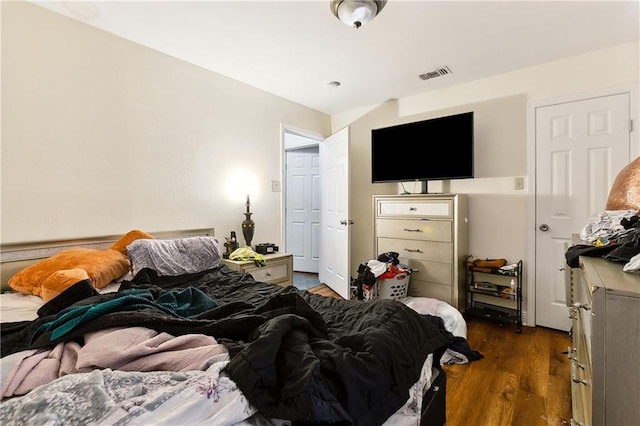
(395, 287)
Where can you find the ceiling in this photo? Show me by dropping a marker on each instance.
(293, 49)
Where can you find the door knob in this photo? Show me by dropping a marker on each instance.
(346, 222)
(544, 227)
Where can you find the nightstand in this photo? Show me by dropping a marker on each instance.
(278, 270)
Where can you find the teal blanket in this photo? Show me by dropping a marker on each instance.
(183, 303)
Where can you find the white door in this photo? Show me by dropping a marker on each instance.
(334, 213)
(580, 148)
(303, 208)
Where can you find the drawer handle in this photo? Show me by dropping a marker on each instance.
(574, 362)
(575, 379)
(574, 375)
(573, 313)
(413, 250)
(412, 230)
(413, 209)
(582, 306)
(268, 274)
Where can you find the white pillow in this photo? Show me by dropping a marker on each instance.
(174, 257)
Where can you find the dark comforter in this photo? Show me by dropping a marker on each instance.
(295, 355)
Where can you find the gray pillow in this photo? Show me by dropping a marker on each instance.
(174, 257)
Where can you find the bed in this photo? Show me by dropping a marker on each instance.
(179, 338)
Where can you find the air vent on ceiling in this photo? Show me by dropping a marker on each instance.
(437, 73)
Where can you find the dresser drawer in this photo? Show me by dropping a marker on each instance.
(419, 288)
(414, 229)
(442, 209)
(436, 272)
(581, 392)
(415, 249)
(278, 270)
(581, 404)
(273, 274)
(427, 231)
(585, 316)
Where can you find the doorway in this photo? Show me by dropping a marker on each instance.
(333, 191)
(302, 207)
(580, 145)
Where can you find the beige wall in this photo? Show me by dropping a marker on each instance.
(610, 67)
(101, 135)
(499, 134)
(498, 214)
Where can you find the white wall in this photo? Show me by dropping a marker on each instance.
(101, 135)
(295, 141)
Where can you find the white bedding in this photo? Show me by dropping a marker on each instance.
(24, 307)
(19, 307)
(453, 320)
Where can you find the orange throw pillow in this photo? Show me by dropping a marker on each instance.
(128, 238)
(59, 281)
(102, 266)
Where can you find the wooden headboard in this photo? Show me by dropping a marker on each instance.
(17, 256)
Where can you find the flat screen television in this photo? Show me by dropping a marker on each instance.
(435, 149)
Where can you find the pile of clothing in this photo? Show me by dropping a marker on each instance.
(247, 253)
(615, 236)
(386, 266)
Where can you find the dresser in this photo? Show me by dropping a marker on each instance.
(429, 232)
(605, 351)
(278, 270)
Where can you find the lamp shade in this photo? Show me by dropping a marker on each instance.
(625, 191)
(356, 13)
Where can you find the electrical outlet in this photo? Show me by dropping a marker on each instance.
(275, 186)
(518, 183)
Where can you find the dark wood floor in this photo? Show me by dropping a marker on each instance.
(523, 379)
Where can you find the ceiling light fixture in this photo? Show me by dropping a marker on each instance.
(356, 13)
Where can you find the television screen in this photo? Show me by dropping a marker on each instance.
(435, 149)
